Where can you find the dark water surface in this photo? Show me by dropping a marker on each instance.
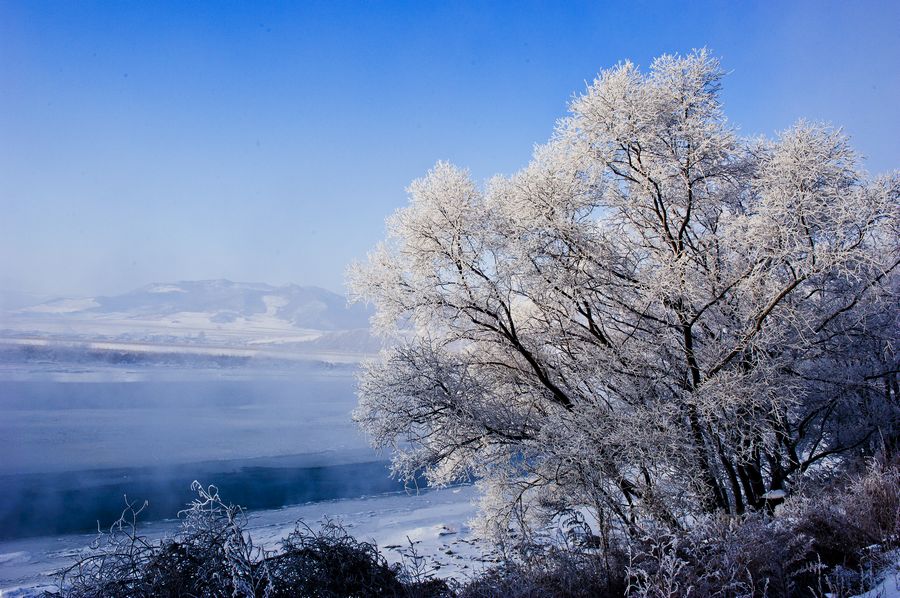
(65, 502)
(70, 450)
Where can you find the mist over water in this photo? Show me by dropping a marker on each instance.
(73, 449)
(79, 501)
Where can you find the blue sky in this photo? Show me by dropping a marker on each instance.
(258, 141)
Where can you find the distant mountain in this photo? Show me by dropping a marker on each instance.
(219, 302)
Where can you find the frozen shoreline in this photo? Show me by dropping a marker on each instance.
(437, 521)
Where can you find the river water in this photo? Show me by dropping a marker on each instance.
(71, 449)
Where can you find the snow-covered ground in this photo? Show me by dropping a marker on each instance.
(889, 587)
(436, 522)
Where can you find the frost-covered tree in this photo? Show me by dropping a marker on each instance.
(654, 318)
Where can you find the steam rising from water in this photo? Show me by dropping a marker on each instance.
(72, 449)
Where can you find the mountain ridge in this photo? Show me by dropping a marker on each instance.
(224, 301)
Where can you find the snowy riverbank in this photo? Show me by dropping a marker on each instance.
(436, 521)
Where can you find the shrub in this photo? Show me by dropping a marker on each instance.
(824, 542)
(213, 556)
(575, 573)
(832, 542)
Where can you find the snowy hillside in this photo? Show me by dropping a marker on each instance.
(216, 316)
(222, 300)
